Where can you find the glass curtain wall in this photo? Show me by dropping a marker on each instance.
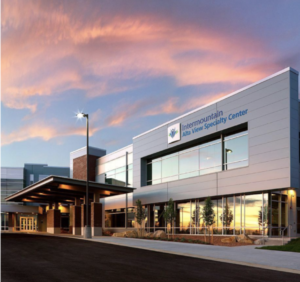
(8, 187)
(227, 216)
(159, 221)
(199, 160)
(233, 215)
(183, 218)
(115, 171)
(279, 216)
(4, 221)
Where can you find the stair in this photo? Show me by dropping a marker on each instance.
(276, 241)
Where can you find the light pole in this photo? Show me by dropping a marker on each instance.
(87, 229)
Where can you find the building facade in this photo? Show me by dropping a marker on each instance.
(24, 215)
(241, 150)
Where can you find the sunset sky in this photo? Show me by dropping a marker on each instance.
(131, 65)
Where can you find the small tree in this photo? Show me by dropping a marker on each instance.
(263, 218)
(196, 217)
(226, 217)
(169, 214)
(140, 214)
(208, 214)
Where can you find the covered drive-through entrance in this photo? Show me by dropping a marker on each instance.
(62, 205)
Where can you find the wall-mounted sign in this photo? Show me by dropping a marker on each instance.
(174, 133)
(210, 121)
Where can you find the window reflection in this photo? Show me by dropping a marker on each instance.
(169, 168)
(227, 215)
(236, 150)
(211, 157)
(159, 220)
(200, 160)
(238, 215)
(189, 162)
(234, 215)
(253, 214)
(114, 172)
(195, 217)
(183, 217)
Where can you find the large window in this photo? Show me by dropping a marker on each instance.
(279, 216)
(117, 218)
(184, 217)
(199, 160)
(253, 214)
(236, 150)
(4, 221)
(115, 171)
(233, 215)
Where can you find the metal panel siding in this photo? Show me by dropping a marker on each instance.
(111, 156)
(272, 137)
(294, 131)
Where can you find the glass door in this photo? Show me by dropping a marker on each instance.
(27, 223)
(23, 222)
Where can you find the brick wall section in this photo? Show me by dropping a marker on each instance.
(83, 217)
(76, 216)
(79, 167)
(11, 218)
(53, 218)
(96, 213)
(42, 222)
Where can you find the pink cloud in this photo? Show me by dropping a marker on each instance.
(47, 49)
(49, 130)
(172, 105)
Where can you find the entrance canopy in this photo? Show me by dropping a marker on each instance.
(65, 190)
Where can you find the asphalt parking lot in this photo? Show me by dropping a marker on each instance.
(45, 258)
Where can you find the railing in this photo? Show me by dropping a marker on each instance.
(282, 229)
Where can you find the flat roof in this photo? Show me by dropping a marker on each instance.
(103, 150)
(63, 189)
(218, 100)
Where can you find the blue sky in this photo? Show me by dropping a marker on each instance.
(131, 65)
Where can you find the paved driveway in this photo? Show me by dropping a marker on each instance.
(45, 258)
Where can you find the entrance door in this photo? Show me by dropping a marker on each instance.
(27, 223)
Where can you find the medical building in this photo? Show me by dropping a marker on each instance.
(241, 150)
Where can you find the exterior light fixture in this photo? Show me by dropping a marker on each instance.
(81, 115)
(87, 230)
(227, 151)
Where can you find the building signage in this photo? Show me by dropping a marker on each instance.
(174, 133)
(209, 121)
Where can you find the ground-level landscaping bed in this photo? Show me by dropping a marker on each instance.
(292, 246)
(190, 239)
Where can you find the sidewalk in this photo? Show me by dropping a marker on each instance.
(245, 255)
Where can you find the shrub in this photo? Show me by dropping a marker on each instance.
(107, 233)
(182, 239)
(176, 239)
(191, 241)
